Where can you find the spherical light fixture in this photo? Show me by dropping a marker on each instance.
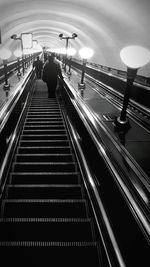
(86, 52)
(5, 53)
(71, 51)
(18, 53)
(135, 56)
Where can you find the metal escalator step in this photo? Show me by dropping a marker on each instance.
(41, 108)
(44, 157)
(43, 119)
(45, 229)
(44, 178)
(44, 132)
(44, 167)
(44, 122)
(41, 116)
(50, 253)
(46, 150)
(44, 112)
(43, 192)
(44, 127)
(25, 208)
(44, 143)
(44, 137)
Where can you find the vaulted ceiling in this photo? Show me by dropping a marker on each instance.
(104, 25)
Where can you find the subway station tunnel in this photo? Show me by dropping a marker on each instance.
(74, 169)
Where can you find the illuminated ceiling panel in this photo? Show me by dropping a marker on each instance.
(104, 25)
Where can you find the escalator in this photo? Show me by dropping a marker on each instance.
(46, 217)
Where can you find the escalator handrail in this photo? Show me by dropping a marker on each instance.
(11, 102)
(6, 161)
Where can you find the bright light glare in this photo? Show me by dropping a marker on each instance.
(17, 53)
(71, 51)
(32, 50)
(135, 56)
(26, 40)
(57, 50)
(35, 44)
(86, 52)
(5, 53)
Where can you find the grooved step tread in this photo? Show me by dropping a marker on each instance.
(50, 253)
(43, 127)
(45, 149)
(44, 143)
(44, 208)
(43, 192)
(44, 230)
(44, 166)
(40, 116)
(44, 178)
(45, 137)
(44, 157)
(47, 131)
(44, 122)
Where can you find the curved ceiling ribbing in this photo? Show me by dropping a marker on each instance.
(104, 25)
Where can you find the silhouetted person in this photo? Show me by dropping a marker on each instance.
(45, 57)
(38, 64)
(51, 71)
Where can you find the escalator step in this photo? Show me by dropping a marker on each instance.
(45, 137)
(44, 143)
(44, 208)
(44, 132)
(53, 254)
(44, 167)
(44, 127)
(43, 112)
(45, 230)
(46, 150)
(51, 120)
(44, 157)
(43, 108)
(44, 122)
(44, 178)
(44, 192)
(41, 116)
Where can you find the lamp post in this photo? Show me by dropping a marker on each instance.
(134, 57)
(71, 52)
(74, 35)
(85, 54)
(18, 54)
(5, 54)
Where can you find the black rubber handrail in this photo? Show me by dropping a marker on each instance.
(11, 102)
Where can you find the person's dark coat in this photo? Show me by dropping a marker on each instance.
(51, 71)
(38, 64)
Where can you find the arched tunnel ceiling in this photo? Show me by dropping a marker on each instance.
(104, 25)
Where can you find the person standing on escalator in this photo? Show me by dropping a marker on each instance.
(50, 73)
(38, 64)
